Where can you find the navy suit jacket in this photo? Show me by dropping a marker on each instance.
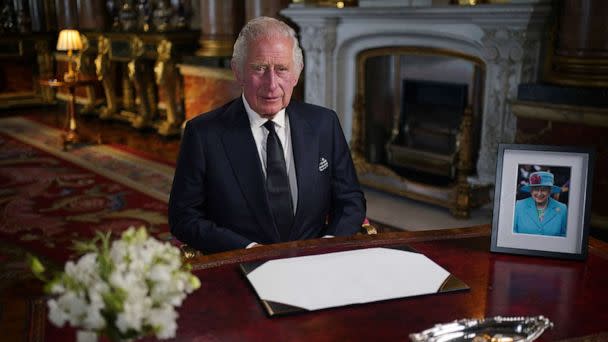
(218, 200)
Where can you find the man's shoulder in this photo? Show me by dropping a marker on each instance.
(308, 107)
(311, 112)
(212, 116)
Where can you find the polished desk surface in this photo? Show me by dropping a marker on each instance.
(570, 293)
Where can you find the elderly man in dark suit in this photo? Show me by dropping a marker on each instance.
(264, 168)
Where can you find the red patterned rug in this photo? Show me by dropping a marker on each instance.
(50, 197)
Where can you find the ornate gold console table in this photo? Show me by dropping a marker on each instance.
(140, 79)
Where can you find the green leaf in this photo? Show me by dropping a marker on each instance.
(194, 282)
(114, 300)
(37, 267)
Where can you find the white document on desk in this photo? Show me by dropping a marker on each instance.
(344, 278)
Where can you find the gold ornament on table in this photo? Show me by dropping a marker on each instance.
(69, 40)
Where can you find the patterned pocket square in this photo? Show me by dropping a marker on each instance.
(323, 164)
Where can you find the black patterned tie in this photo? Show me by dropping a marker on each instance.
(277, 183)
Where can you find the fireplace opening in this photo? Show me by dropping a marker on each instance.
(429, 124)
(415, 102)
(417, 126)
(430, 115)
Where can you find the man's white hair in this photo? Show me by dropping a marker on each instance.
(264, 27)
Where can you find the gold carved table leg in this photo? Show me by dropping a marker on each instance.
(103, 69)
(142, 94)
(166, 79)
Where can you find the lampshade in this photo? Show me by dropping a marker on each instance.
(69, 40)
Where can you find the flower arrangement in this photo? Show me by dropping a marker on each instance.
(125, 290)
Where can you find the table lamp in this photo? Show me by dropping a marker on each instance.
(69, 40)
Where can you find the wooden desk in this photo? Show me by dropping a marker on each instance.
(71, 126)
(570, 293)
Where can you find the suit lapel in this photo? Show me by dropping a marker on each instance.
(305, 153)
(532, 213)
(243, 156)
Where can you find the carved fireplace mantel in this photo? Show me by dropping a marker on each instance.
(506, 37)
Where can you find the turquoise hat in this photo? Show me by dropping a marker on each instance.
(541, 178)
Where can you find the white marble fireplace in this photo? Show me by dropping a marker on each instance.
(506, 37)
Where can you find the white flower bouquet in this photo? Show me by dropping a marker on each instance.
(125, 290)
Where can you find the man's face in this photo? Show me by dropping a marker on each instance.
(540, 194)
(268, 76)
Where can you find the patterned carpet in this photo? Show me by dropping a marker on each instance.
(50, 197)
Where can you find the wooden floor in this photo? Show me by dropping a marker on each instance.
(110, 131)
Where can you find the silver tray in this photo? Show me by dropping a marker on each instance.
(495, 329)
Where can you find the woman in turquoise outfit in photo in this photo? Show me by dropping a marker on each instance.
(540, 213)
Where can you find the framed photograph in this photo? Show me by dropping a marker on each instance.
(542, 200)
